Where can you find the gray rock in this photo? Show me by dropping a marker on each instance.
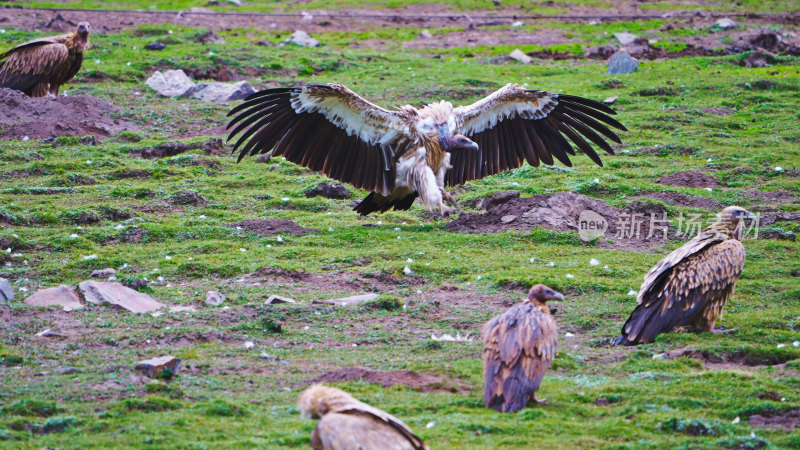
(63, 296)
(625, 38)
(329, 190)
(99, 292)
(214, 298)
(757, 59)
(278, 299)
(508, 219)
(518, 55)
(725, 23)
(426, 34)
(622, 62)
(158, 46)
(222, 92)
(103, 273)
(172, 83)
(6, 293)
(160, 367)
(49, 333)
(264, 157)
(352, 300)
(302, 39)
(610, 100)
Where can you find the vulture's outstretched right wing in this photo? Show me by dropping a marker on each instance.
(514, 125)
(31, 63)
(327, 128)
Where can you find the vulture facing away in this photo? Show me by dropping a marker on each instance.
(402, 153)
(346, 423)
(518, 347)
(41, 66)
(689, 288)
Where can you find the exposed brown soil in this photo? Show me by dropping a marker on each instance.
(420, 381)
(689, 179)
(787, 421)
(272, 227)
(163, 150)
(771, 197)
(730, 360)
(678, 199)
(560, 212)
(43, 117)
(772, 217)
(718, 111)
(332, 281)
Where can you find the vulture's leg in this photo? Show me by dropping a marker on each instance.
(541, 401)
(40, 89)
(427, 186)
(440, 182)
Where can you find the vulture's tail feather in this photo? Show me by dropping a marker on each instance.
(377, 202)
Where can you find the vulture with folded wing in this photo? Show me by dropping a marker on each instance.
(41, 66)
(346, 423)
(518, 348)
(408, 152)
(688, 289)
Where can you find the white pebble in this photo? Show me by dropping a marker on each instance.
(779, 169)
(551, 264)
(160, 278)
(533, 260)
(285, 199)
(249, 344)
(396, 228)
(660, 356)
(355, 345)
(568, 334)
(709, 189)
(633, 293)
(781, 345)
(330, 229)
(736, 420)
(119, 227)
(305, 327)
(89, 257)
(594, 262)
(242, 250)
(430, 425)
(796, 343)
(23, 289)
(409, 260)
(380, 222)
(128, 63)
(279, 239)
(569, 275)
(407, 270)
(89, 162)
(709, 159)
(202, 216)
(269, 246)
(25, 138)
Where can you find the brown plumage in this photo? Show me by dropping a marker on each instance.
(346, 423)
(689, 288)
(518, 348)
(400, 154)
(41, 66)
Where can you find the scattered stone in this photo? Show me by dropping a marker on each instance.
(757, 59)
(99, 292)
(177, 309)
(6, 293)
(63, 296)
(302, 39)
(498, 198)
(345, 301)
(329, 190)
(264, 157)
(601, 51)
(214, 298)
(508, 219)
(625, 38)
(520, 56)
(161, 367)
(517, 24)
(217, 92)
(273, 299)
(157, 46)
(103, 273)
(725, 23)
(172, 83)
(268, 357)
(768, 40)
(426, 34)
(49, 333)
(621, 62)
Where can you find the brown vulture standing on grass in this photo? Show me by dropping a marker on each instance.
(518, 347)
(689, 288)
(41, 66)
(403, 153)
(346, 423)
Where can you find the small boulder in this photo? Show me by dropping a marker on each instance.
(329, 190)
(621, 62)
(217, 92)
(302, 39)
(214, 298)
(6, 293)
(209, 37)
(278, 299)
(725, 23)
(264, 157)
(426, 34)
(498, 198)
(63, 296)
(625, 38)
(610, 100)
(103, 273)
(352, 300)
(157, 46)
(520, 56)
(99, 292)
(161, 367)
(508, 218)
(172, 83)
(757, 59)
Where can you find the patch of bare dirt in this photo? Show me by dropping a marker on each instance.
(43, 117)
(163, 150)
(772, 217)
(718, 111)
(678, 199)
(689, 179)
(272, 227)
(420, 381)
(333, 281)
(627, 230)
(787, 421)
(476, 37)
(779, 196)
(731, 360)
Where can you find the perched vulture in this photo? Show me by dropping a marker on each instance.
(518, 347)
(406, 152)
(689, 288)
(346, 423)
(41, 66)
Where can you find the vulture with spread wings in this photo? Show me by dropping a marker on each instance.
(346, 423)
(690, 286)
(518, 348)
(41, 66)
(408, 152)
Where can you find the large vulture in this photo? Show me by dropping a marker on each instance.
(346, 423)
(41, 66)
(689, 288)
(400, 154)
(518, 347)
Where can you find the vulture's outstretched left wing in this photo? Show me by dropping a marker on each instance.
(515, 124)
(327, 128)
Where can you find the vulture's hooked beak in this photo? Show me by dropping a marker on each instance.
(458, 142)
(557, 296)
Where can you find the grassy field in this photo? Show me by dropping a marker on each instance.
(70, 209)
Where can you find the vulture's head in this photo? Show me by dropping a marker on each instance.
(437, 122)
(83, 29)
(543, 294)
(319, 400)
(734, 217)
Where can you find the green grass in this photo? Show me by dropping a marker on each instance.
(228, 396)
